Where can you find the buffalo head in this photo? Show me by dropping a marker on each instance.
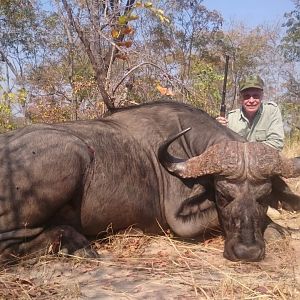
(242, 173)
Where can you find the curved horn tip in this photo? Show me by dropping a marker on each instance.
(182, 132)
(186, 130)
(164, 157)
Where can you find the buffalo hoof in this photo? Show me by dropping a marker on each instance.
(86, 253)
(275, 232)
(82, 253)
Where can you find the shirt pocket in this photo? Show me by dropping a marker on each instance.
(260, 135)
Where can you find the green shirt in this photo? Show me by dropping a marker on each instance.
(267, 126)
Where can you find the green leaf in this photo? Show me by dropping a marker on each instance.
(123, 20)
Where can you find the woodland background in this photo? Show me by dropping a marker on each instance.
(64, 60)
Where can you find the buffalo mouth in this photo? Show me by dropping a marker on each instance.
(236, 250)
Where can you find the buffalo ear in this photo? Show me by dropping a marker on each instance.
(282, 193)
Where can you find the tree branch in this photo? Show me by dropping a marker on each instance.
(128, 6)
(5, 59)
(140, 65)
(96, 66)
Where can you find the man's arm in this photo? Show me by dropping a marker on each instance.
(275, 133)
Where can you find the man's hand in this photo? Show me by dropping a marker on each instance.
(222, 121)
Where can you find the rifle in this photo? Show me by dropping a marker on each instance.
(223, 105)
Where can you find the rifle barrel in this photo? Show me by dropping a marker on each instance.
(223, 105)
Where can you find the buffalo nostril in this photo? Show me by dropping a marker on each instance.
(253, 252)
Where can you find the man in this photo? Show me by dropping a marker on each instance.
(255, 120)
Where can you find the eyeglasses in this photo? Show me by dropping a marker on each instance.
(255, 96)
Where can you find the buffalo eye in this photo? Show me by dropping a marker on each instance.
(264, 200)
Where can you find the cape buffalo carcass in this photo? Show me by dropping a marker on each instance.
(61, 184)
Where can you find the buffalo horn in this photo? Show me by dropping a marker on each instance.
(290, 167)
(265, 161)
(193, 167)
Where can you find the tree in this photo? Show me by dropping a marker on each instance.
(18, 21)
(180, 47)
(291, 41)
(79, 58)
(290, 46)
(103, 28)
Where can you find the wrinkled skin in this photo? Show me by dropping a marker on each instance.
(242, 208)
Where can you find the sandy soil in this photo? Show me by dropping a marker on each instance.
(135, 266)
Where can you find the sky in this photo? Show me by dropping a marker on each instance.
(250, 12)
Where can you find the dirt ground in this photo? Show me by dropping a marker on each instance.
(135, 266)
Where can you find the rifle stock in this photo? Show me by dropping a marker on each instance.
(223, 104)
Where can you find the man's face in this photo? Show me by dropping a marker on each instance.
(251, 100)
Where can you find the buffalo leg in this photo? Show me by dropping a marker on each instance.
(64, 239)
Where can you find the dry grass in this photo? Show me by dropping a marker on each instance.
(137, 266)
(18, 282)
(291, 149)
(207, 273)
